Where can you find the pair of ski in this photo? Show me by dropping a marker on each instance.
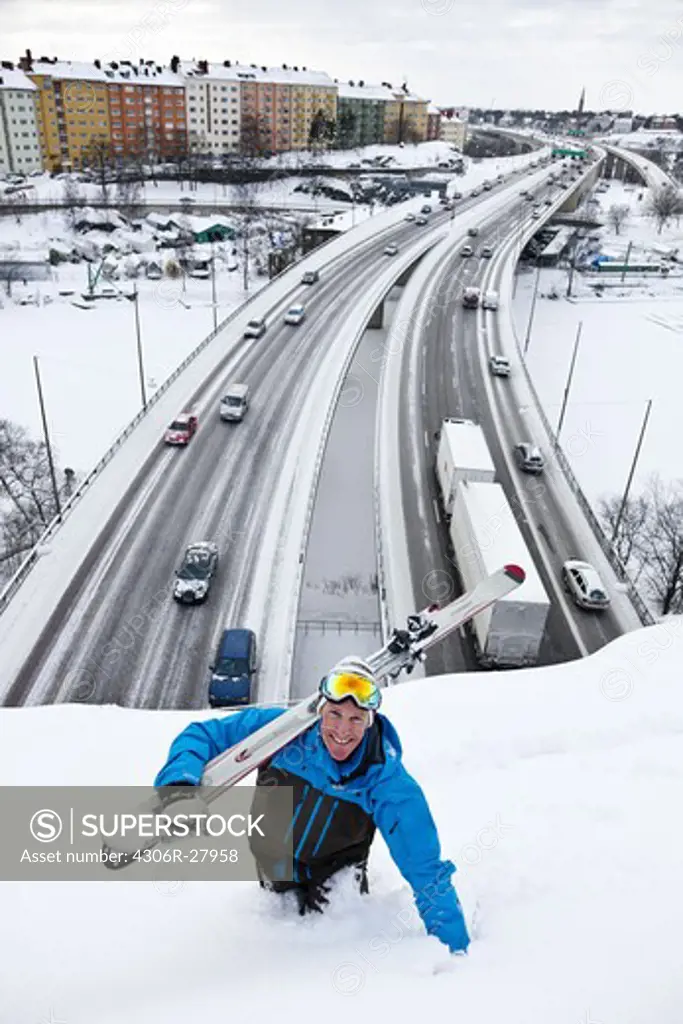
(404, 649)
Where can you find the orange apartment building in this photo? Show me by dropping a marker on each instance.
(119, 112)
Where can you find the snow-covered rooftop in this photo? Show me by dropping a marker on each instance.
(408, 97)
(260, 73)
(69, 69)
(15, 80)
(138, 74)
(197, 224)
(144, 74)
(364, 92)
(499, 538)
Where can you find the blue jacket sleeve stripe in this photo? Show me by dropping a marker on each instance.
(311, 819)
(297, 812)
(327, 824)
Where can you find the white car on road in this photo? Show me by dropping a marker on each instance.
(582, 581)
(295, 315)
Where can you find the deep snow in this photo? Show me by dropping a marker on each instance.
(555, 790)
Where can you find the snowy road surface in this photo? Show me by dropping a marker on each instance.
(119, 637)
(443, 376)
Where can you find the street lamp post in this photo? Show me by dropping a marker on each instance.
(48, 447)
(139, 344)
(632, 471)
(568, 385)
(213, 289)
(527, 338)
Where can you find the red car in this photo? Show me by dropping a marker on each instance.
(182, 429)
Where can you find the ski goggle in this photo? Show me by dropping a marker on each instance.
(339, 685)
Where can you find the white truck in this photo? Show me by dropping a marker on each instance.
(485, 535)
(462, 454)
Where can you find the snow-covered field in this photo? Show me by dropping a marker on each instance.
(630, 351)
(556, 792)
(280, 192)
(88, 358)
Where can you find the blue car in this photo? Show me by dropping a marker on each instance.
(234, 669)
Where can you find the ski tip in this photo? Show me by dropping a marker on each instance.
(516, 573)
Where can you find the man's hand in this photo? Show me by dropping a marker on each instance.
(183, 800)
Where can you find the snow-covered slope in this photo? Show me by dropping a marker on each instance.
(556, 791)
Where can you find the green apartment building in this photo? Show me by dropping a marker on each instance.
(361, 111)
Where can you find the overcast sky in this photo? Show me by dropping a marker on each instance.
(505, 53)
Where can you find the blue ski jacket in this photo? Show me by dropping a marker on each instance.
(385, 791)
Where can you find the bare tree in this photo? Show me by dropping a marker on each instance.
(629, 540)
(184, 244)
(27, 505)
(664, 203)
(71, 197)
(617, 215)
(129, 197)
(99, 157)
(246, 195)
(663, 546)
(255, 136)
(650, 540)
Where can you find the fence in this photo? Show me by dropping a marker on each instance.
(337, 626)
(617, 565)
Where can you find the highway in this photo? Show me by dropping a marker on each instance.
(448, 378)
(117, 636)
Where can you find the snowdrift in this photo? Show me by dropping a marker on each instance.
(556, 792)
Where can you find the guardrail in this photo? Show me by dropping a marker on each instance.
(9, 208)
(617, 565)
(22, 572)
(338, 626)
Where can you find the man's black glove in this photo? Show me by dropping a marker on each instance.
(184, 800)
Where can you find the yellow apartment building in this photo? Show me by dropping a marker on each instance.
(73, 110)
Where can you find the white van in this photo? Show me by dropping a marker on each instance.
(235, 402)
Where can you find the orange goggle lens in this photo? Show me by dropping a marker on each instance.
(340, 685)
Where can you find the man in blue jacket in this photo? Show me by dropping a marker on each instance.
(347, 780)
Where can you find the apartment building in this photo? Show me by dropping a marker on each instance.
(254, 109)
(454, 122)
(117, 112)
(361, 112)
(405, 118)
(147, 112)
(19, 138)
(433, 123)
(73, 110)
(312, 94)
(213, 108)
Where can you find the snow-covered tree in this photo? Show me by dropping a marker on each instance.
(664, 203)
(27, 503)
(617, 215)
